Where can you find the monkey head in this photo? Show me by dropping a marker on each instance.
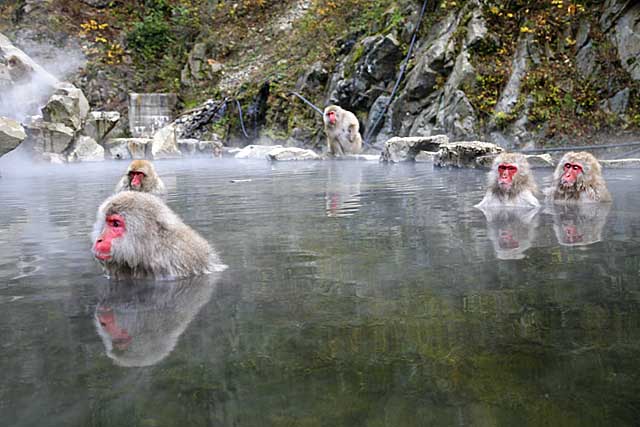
(331, 115)
(140, 172)
(578, 178)
(510, 175)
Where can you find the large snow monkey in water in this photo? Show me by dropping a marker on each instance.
(510, 183)
(141, 176)
(137, 236)
(343, 131)
(578, 179)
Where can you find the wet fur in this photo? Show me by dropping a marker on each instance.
(151, 183)
(523, 189)
(156, 243)
(590, 187)
(343, 137)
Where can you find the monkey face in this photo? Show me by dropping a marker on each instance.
(506, 173)
(114, 228)
(331, 116)
(571, 173)
(136, 178)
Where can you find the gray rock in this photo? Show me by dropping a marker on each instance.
(399, 149)
(117, 149)
(86, 149)
(292, 153)
(67, 105)
(53, 158)
(188, 147)
(613, 9)
(617, 104)
(210, 148)
(586, 60)
(426, 156)
(476, 28)
(316, 76)
(140, 148)
(44, 137)
(150, 112)
(97, 3)
(255, 151)
(164, 145)
(11, 135)
(519, 67)
(628, 41)
(464, 154)
(582, 36)
(200, 66)
(382, 55)
(535, 160)
(99, 124)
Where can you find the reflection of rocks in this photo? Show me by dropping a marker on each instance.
(511, 230)
(140, 323)
(343, 194)
(579, 225)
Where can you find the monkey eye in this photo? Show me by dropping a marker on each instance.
(575, 167)
(115, 221)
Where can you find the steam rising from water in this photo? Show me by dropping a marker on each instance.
(27, 91)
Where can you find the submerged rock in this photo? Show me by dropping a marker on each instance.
(464, 154)
(292, 153)
(11, 134)
(406, 149)
(86, 149)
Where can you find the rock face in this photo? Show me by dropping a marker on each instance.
(464, 154)
(86, 149)
(200, 66)
(627, 36)
(99, 123)
(292, 153)
(11, 134)
(45, 137)
(150, 112)
(67, 105)
(406, 149)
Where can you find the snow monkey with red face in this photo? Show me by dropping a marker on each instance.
(578, 179)
(141, 176)
(137, 236)
(510, 183)
(343, 131)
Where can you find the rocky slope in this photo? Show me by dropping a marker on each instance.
(517, 73)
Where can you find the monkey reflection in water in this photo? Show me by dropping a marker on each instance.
(579, 224)
(140, 323)
(511, 230)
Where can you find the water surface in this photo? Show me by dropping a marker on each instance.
(357, 294)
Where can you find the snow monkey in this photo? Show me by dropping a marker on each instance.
(510, 183)
(578, 179)
(137, 236)
(141, 176)
(343, 131)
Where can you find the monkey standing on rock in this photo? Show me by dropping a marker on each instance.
(137, 236)
(343, 131)
(141, 176)
(578, 179)
(510, 183)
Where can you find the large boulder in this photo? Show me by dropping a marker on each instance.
(11, 134)
(406, 149)
(535, 160)
(99, 123)
(464, 154)
(628, 40)
(24, 84)
(255, 151)
(128, 148)
(165, 144)
(45, 137)
(86, 149)
(67, 105)
(194, 147)
(292, 153)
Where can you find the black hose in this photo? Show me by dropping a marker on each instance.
(308, 102)
(241, 120)
(403, 68)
